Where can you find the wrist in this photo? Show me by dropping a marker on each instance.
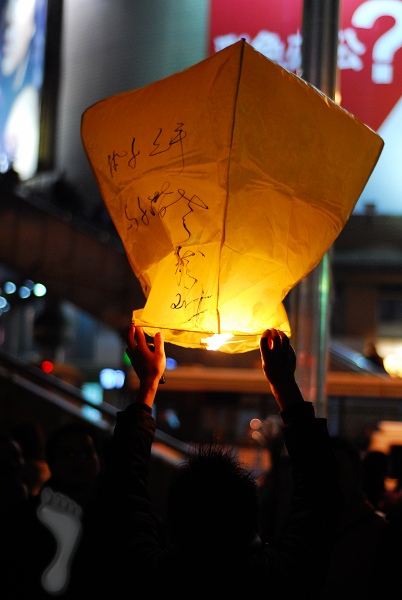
(149, 383)
(147, 392)
(287, 394)
(298, 412)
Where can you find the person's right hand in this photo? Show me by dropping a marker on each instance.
(279, 364)
(149, 363)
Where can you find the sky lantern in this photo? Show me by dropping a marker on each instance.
(227, 183)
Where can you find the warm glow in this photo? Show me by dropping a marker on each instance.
(393, 364)
(214, 342)
(391, 351)
(257, 436)
(223, 198)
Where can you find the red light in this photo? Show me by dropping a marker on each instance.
(47, 366)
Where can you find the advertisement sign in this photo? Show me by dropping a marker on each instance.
(369, 67)
(22, 54)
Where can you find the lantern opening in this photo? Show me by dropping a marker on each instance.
(214, 342)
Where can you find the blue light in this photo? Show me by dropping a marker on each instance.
(93, 392)
(10, 287)
(171, 364)
(24, 292)
(29, 284)
(3, 302)
(111, 379)
(107, 378)
(120, 378)
(172, 418)
(92, 414)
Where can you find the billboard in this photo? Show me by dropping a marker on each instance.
(22, 57)
(369, 67)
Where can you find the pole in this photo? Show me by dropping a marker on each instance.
(310, 299)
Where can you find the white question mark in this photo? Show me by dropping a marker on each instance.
(386, 46)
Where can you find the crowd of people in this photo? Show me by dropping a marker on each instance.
(78, 518)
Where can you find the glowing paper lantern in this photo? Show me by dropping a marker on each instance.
(227, 183)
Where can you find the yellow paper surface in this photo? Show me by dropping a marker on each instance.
(227, 183)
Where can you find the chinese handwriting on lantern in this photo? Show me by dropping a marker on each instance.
(160, 145)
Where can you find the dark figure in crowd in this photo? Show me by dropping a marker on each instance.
(214, 549)
(364, 550)
(391, 501)
(40, 538)
(375, 470)
(13, 482)
(275, 488)
(31, 437)
(74, 455)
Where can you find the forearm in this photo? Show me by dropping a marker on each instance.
(146, 392)
(133, 437)
(134, 531)
(316, 497)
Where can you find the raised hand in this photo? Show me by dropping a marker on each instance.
(279, 363)
(148, 361)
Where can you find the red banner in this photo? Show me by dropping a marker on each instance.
(369, 57)
(369, 67)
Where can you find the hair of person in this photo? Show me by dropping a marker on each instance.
(213, 501)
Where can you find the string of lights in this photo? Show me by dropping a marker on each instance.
(11, 292)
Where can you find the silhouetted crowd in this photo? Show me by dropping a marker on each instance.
(78, 517)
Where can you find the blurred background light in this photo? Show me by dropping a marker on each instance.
(39, 290)
(92, 414)
(47, 366)
(24, 292)
(10, 287)
(111, 379)
(93, 392)
(171, 364)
